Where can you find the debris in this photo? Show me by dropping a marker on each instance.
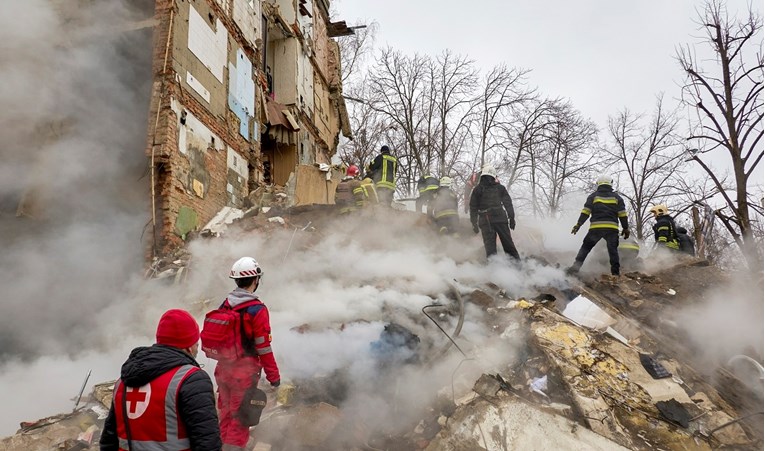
(487, 385)
(82, 389)
(610, 331)
(584, 312)
(285, 393)
(674, 412)
(671, 292)
(539, 385)
(220, 222)
(276, 219)
(481, 298)
(654, 368)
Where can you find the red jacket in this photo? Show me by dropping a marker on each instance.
(257, 330)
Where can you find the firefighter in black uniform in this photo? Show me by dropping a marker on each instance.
(491, 211)
(444, 207)
(665, 230)
(607, 210)
(383, 169)
(427, 187)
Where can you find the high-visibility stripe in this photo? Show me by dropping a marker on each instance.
(443, 213)
(604, 225)
(388, 160)
(216, 321)
(586, 211)
(428, 188)
(386, 185)
(663, 228)
(171, 420)
(260, 340)
(264, 351)
(629, 246)
(622, 214)
(605, 200)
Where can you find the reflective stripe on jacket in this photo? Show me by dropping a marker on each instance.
(444, 203)
(152, 413)
(605, 208)
(365, 193)
(385, 167)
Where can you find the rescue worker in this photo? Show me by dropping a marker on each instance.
(629, 249)
(426, 187)
(685, 242)
(235, 377)
(491, 211)
(163, 400)
(365, 194)
(607, 210)
(445, 207)
(664, 231)
(344, 197)
(383, 169)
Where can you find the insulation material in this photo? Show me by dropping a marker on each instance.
(197, 86)
(236, 163)
(193, 129)
(312, 186)
(247, 17)
(241, 95)
(209, 45)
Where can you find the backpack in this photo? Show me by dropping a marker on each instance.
(223, 336)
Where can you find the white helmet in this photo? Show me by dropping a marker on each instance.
(489, 170)
(605, 180)
(245, 267)
(445, 181)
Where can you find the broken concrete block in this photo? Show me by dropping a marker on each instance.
(487, 386)
(104, 392)
(481, 298)
(276, 219)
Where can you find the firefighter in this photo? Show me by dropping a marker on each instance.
(427, 187)
(685, 242)
(235, 377)
(629, 249)
(491, 211)
(383, 170)
(445, 207)
(607, 210)
(664, 231)
(365, 194)
(344, 197)
(163, 400)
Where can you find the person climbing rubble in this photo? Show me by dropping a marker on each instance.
(383, 169)
(238, 336)
(426, 187)
(445, 207)
(665, 230)
(491, 211)
(163, 400)
(606, 210)
(365, 194)
(344, 193)
(685, 242)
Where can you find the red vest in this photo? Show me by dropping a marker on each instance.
(152, 413)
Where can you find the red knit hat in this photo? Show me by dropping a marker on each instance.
(177, 328)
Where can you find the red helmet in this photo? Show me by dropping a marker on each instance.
(352, 171)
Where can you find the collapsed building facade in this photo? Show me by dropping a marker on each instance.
(246, 94)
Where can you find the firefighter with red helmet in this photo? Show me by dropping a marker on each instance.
(344, 193)
(163, 400)
(236, 376)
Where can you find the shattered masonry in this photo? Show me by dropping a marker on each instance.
(245, 94)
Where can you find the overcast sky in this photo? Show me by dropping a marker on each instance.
(603, 55)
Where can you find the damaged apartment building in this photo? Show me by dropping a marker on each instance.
(246, 94)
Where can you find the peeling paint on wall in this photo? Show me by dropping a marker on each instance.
(193, 128)
(208, 45)
(247, 16)
(236, 162)
(241, 94)
(237, 178)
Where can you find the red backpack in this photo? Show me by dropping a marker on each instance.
(223, 335)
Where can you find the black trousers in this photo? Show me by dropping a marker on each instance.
(612, 242)
(385, 196)
(490, 232)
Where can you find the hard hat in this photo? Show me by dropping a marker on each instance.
(445, 181)
(245, 267)
(489, 170)
(659, 210)
(604, 180)
(352, 171)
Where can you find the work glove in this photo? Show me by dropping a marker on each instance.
(276, 383)
(475, 228)
(575, 229)
(626, 233)
(511, 223)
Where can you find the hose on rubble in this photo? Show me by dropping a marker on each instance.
(457, 329)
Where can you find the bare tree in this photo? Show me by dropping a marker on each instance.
(646, 159)
(568, 157)
(728, 107)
